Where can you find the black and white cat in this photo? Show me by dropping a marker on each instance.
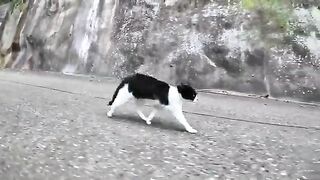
(142, 87)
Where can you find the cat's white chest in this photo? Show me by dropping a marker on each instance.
(174, 97)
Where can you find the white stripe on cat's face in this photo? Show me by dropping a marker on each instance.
(196, 99)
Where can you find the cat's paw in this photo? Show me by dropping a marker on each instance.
(109, 114)
(191, 130)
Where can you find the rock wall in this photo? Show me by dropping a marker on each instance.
(210, 44)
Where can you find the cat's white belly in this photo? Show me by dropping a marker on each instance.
(150, 102)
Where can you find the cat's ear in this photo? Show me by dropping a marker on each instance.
(180, 87)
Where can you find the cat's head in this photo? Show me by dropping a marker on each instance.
(187, 92)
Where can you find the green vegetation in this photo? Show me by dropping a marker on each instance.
(4, 1)
(272, 20)
(15, 4)
(277, 12)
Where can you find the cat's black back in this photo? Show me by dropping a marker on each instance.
(146, 87)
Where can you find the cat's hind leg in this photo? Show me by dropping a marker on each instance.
(139, 104)
(148, 119)
(123, 96)
(151, 116)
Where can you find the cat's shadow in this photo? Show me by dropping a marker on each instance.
(157, 122)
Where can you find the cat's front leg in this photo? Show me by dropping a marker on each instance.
(178, 114)
(151, 116)
(142, 116)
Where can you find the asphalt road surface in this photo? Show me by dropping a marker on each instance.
(55, 127)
